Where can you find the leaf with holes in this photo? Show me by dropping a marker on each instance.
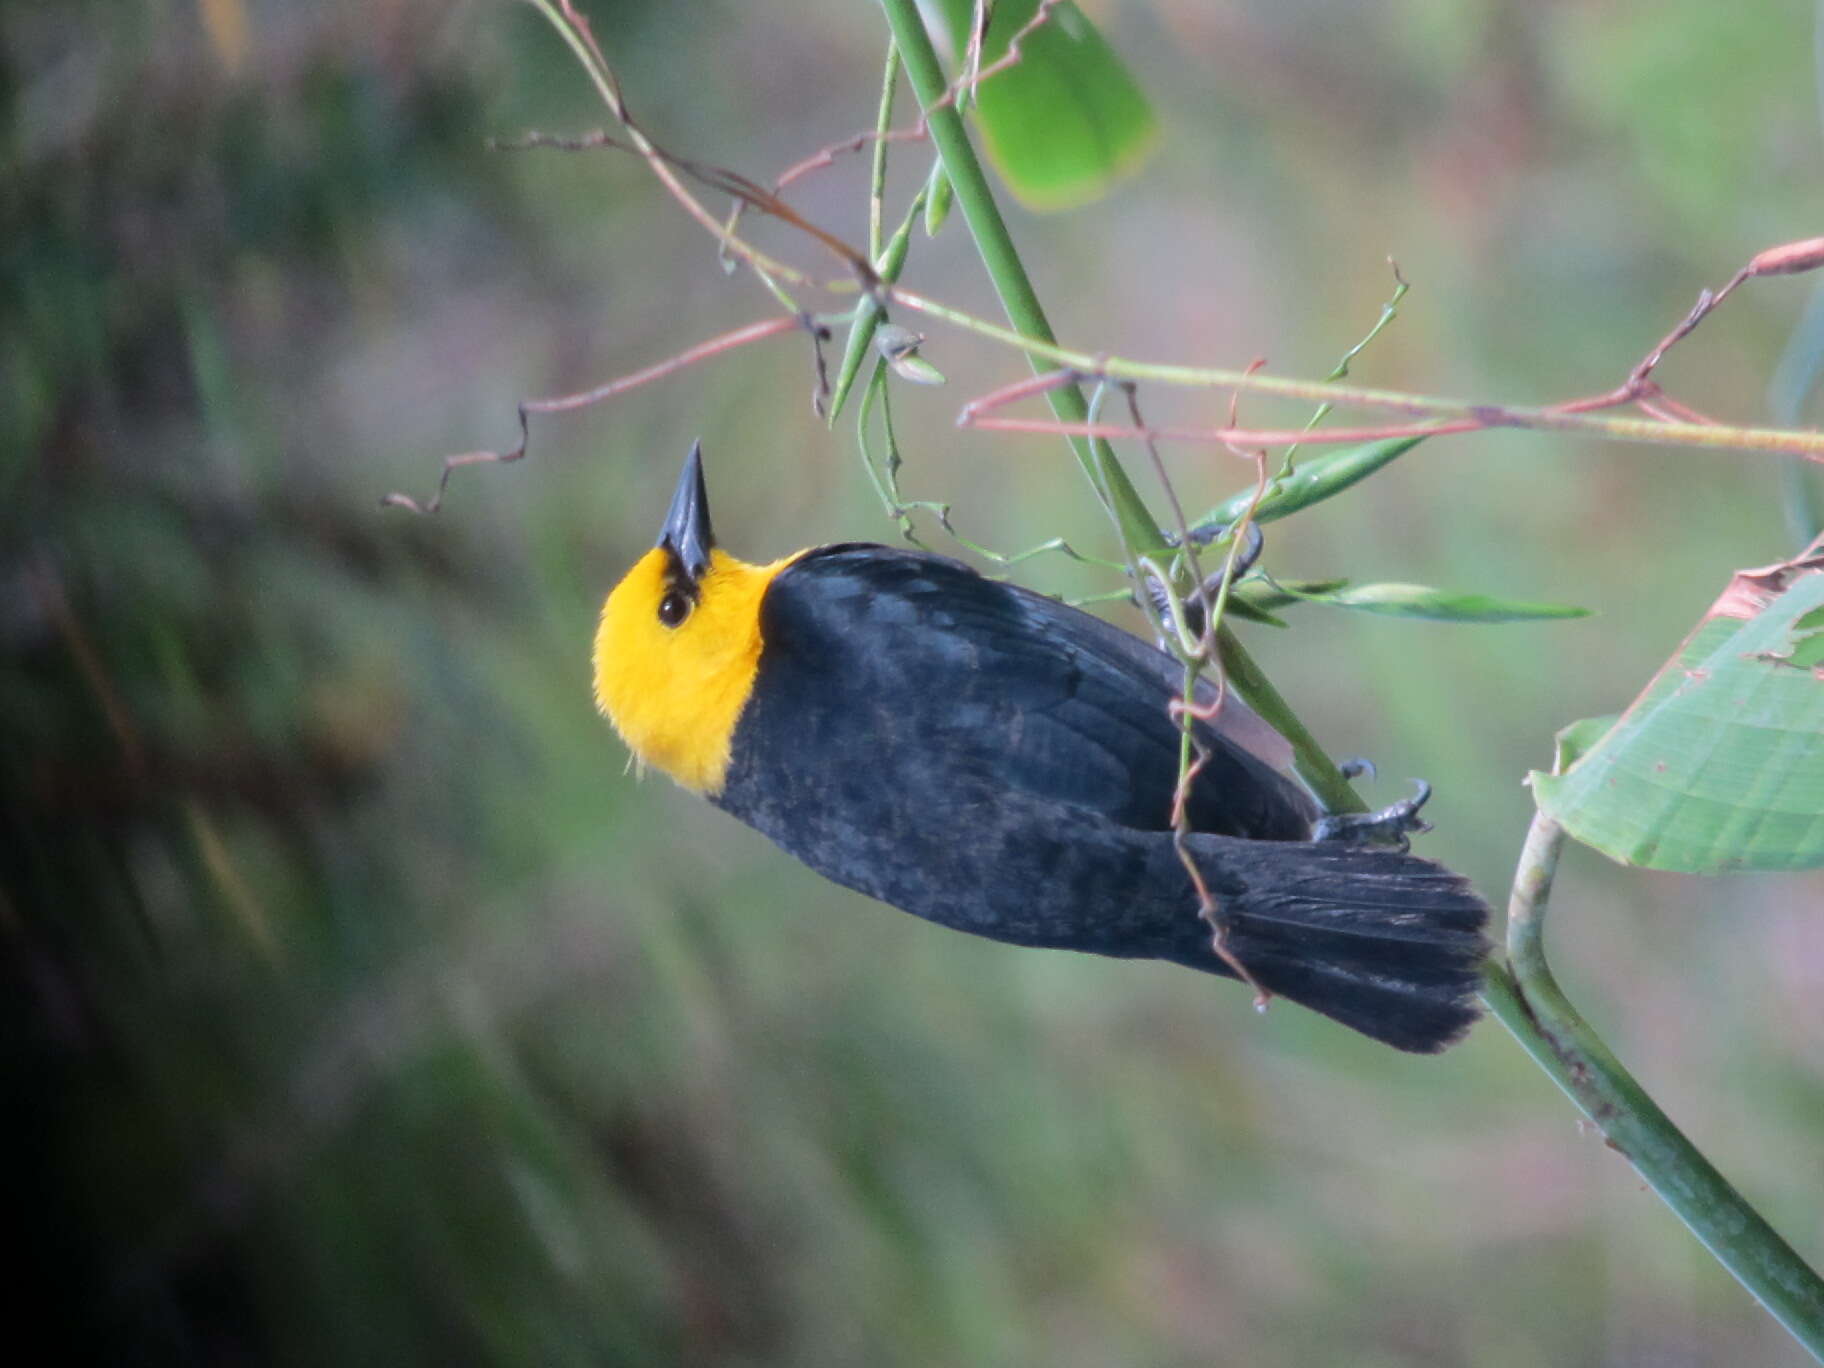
(1719, 764)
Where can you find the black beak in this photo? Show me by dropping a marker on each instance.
(687, 535)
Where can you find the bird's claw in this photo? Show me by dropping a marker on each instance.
(1244, 560)
(1392, 825)
(1212, 583)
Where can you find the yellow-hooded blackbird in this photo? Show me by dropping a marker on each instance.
(997, 762)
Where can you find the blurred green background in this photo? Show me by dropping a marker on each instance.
(360, 1007)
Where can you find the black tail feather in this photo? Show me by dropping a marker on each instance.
(1386, 943)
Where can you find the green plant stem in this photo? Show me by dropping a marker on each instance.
(1138, 528)
(887, 258)
(1526, 998)
(877, 162)
(1472, 416)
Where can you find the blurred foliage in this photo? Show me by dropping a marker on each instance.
(358, 1008)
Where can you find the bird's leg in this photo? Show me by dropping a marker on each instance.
(1212, 584)
(1392, 825)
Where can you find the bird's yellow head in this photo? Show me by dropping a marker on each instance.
(678, 645)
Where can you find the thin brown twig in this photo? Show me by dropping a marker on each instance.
(729, 182)
(966, 83)
(1638, 385)
(1673, 410)
(971, 416)
(565, 403)
(1187, 546)
(1255, 366)
(608, 86)
(1236, 532)
(826, 155)
(972, 76)
(820, 390)
(1638, 389)
(1185, 712)
(1788, 258)
(1238, 436)
(1025, 388)
(1654, 410)
(1015, 45)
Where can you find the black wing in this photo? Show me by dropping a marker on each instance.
(908, 669)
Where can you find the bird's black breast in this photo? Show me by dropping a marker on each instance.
(901, 692)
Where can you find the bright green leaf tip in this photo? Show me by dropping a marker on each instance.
(1441, 605)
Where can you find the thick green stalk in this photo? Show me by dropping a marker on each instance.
(1138, 528)
(1526, 997)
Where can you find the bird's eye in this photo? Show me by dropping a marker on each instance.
(673, 608)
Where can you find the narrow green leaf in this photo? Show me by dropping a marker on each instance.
(1719, 764)
(1266, 595)
(1439, 605)
(913, 367)
(1067, 120)
(1317, 479)
(1242, 606)
(868, 314)
(854, 352)
(938, 198)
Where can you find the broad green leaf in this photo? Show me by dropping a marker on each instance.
(1719, 764)
(1578, 739)
(1064, 122)
(1440, 605)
